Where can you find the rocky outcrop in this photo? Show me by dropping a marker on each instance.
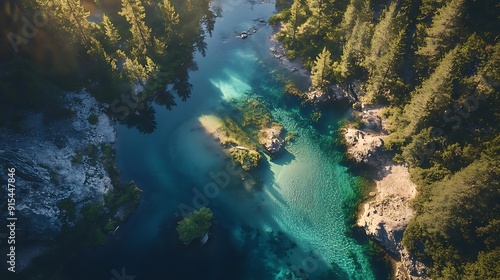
(317, 96)
(270, 139)
(278, 51)
(349, 92)
(364, 147)
(366, 144)
(243, 35)
(57, 161)
(386, 215)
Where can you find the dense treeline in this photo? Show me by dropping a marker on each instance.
(128, 54)
(435, 65)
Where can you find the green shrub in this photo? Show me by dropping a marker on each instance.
(67, 208)
(195, 225)
(93, 119)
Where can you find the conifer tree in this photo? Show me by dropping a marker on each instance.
(70, 17)
(134, 12)
(354, 51)
(77, 17)
(169, 19)
(384, 74)
(319, 18)
(97, 52)
(383, 33)
(444, 30)
(322, 70)
(110, 31)
(169, 15)
(351, 15)
(297, 17)
(433, 93)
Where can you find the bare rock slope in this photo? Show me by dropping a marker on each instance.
(56, 161)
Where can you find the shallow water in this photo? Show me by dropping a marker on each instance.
(295, 223)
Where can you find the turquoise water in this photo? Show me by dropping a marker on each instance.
(295, 224)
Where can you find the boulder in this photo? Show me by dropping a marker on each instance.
(270, 139)
(363, 147)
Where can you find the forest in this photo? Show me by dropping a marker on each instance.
(433, 64)
(128, 54)
(435, 67)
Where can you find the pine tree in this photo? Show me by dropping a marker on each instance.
(169, 19)
(322, 70)
(169, 15)
(134, 12)
(318, 19)
(97, 52)
(383, 33)
(433, 93)
(297, 17)
(384, 75)
(354, 51)
(354, 11)
(70, 17)
(444, 30)
(110, 31)
(77, 17)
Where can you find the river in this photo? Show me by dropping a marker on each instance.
(296, 224)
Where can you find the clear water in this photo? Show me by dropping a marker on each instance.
(296, 222)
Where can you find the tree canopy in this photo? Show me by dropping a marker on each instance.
(145, 45)
(434, 64)
(195, 225)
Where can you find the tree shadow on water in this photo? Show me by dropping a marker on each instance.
(284, 158)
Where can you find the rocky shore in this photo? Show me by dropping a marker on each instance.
(62, 165)
(277, 51)
(54, 162)
(270, 139)
(386, 214)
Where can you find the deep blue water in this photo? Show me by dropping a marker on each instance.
(296, 222)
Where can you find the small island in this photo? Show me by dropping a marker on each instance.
(195, 226)
(243, 143)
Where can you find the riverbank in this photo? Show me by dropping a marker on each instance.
(278, 51)
(385, 215)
